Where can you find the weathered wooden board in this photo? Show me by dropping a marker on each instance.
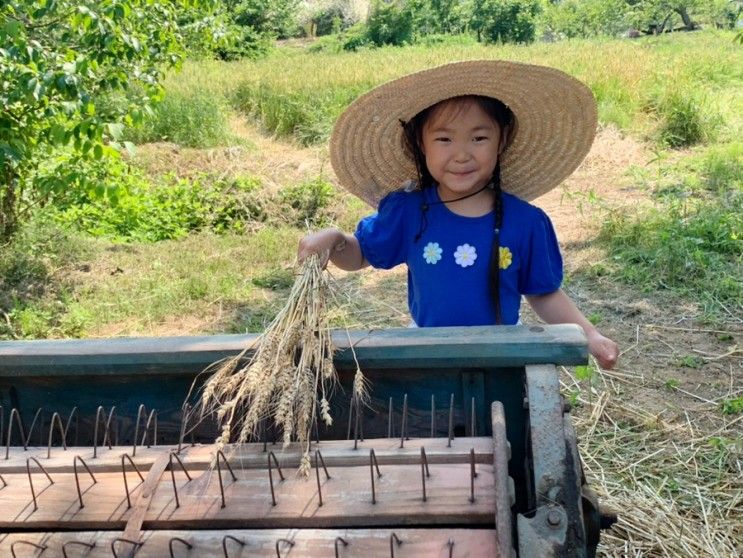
(390, 348)
(336, 453)
(347, 499)
(312, 543)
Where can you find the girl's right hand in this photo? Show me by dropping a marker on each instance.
(320, 243)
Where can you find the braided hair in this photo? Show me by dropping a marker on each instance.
(412, 141)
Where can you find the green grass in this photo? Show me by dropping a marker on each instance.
(690, 242)
(217, 283)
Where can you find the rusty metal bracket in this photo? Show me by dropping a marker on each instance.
(556, 528)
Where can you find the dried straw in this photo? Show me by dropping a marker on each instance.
(290, 375)
(679, 494)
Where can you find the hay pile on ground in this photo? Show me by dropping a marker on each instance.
(679, 493)
(289, 377)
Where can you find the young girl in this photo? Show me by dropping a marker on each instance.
(469, 142)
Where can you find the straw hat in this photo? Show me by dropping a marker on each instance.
(555, 123)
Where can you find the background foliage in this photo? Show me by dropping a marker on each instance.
(57, 57)
(84, 82)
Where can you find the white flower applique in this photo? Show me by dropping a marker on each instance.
(465, 255)
(432, 252)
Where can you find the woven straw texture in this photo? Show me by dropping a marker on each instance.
(555, 125)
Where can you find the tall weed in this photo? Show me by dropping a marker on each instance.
(306, 115)
(685, 117)
(196, 119)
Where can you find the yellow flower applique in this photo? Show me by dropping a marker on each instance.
(504, 257)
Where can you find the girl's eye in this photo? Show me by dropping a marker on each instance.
(442, 138)
(481, 138)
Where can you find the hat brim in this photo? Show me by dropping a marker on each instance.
(555, 125)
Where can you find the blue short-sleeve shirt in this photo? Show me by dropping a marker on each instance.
(448, 265)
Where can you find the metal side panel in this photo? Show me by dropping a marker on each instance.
(555, 530)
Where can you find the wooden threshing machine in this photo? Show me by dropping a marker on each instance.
(467, 449)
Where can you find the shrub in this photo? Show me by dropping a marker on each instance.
(307, 201)
(146, 212)
(241, 42)
(329, 19)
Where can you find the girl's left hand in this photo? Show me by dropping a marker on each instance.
(604, 350)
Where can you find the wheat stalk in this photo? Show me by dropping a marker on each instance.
(288, 377)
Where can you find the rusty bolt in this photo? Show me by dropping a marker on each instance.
(554, 518)
(566, 405)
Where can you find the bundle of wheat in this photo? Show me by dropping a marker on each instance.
(289, 375)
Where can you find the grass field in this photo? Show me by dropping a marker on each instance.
(242, 151)
(233, 169)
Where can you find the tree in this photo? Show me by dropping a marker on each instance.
(507, 21)
(439, 16)
(655, 16)
(390, 23)
(59, 57)
(275, 17)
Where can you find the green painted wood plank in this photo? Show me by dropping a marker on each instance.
(487, 346)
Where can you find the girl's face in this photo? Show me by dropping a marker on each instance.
(461, 144)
